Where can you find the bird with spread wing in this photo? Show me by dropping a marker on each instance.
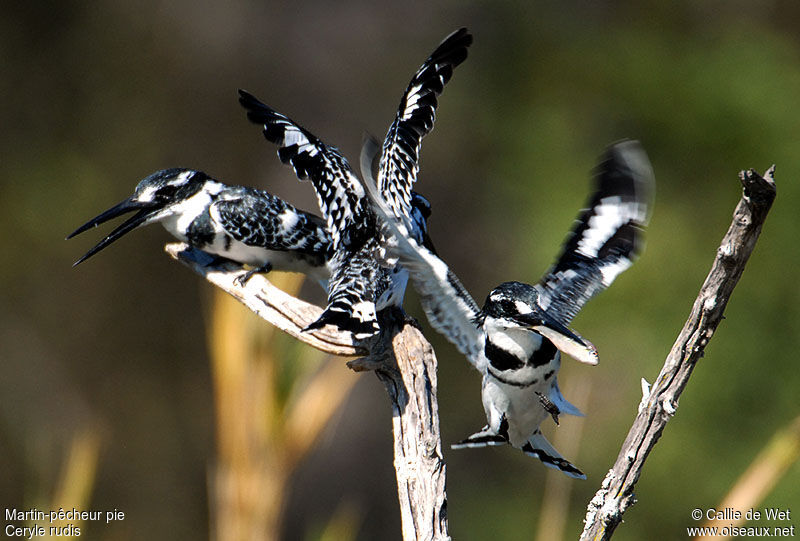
(516, 339)
(361, 283)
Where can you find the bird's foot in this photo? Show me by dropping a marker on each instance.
(242, 279)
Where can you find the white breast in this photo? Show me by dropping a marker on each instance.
(517, 341)
(520, 405)
(184, 213)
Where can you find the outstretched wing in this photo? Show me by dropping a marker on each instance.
(258, 218)
(414, 120)
(340, 194)
(449, 307)
(607, 236)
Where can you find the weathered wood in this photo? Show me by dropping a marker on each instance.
(287, 313)
(402, 359)
(660, 402)
(406, 364)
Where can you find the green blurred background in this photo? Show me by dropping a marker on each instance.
(97, 95)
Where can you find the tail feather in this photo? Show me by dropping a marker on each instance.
(486, 437)
(360, 319)
(352, 293)
(538, 446)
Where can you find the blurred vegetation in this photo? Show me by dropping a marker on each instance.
(273, 397)
(767, 469)
(98, 95)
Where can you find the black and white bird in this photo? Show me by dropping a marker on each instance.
(360, 283)
(239, 223)
(516, 339)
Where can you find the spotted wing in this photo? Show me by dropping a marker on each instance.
(258, 218)
(449, 307)
(414, 120)
(607, 236)
(420, 211)
(340, 194)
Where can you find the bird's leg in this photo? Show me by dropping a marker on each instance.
(244, 278)
(549, 407)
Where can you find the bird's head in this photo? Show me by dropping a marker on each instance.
(167, 187)
(514, 305)
(155, 198)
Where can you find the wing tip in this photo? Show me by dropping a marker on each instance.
(249, 101)
(461, 37)
(628, 158)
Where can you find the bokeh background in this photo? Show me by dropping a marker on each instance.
(106, 388)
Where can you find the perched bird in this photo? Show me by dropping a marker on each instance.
(516, 339)
(242, 224)
(361, 284)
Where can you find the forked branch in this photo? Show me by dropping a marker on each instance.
(401, 358)
(660, 402)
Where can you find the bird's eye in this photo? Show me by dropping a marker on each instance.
(168, 191)
(508, 306)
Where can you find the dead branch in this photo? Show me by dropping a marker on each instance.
(406, 364)
(660, 402)
(401, 358)
(289, 314)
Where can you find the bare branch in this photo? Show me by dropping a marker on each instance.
(659, 405)
(406, 364)
(401, 358)
(287, 313)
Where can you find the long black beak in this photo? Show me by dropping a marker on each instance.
(145, 211)
(563, 338)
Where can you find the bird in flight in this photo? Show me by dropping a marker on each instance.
(516, 339)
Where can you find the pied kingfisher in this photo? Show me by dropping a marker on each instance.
(361, 283)
(239, 223)
(515, 340)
